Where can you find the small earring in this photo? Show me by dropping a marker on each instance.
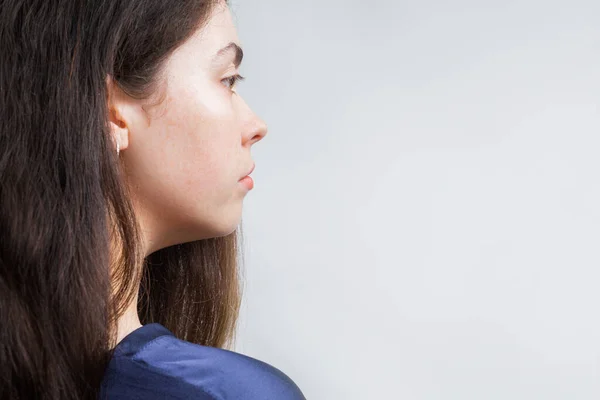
(117, 147)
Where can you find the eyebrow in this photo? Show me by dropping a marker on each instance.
(239, 54)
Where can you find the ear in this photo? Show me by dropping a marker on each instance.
(119, 114)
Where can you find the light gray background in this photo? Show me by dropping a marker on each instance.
(426, 217)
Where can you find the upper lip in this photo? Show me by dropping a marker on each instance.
(251, 169)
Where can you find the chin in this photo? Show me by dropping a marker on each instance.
(222, 231)
(223, 226)
(206, 225)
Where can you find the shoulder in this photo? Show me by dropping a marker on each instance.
(169, 368)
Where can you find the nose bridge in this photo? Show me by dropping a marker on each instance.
(255, 127)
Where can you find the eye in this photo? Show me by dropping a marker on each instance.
(231, 81)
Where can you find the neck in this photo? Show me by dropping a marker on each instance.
(129, 321)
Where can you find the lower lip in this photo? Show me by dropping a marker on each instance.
(248, 182)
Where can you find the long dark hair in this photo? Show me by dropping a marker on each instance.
(63, 202)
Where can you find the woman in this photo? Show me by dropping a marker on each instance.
(124, 161)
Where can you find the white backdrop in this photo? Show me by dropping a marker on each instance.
(425, 222)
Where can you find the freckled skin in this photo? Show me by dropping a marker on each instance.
(183, 159)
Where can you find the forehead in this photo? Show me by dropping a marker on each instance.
(217, 33)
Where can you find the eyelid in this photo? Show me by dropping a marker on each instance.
(233, 80)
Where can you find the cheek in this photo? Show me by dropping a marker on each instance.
(201, 140)
(190, 150)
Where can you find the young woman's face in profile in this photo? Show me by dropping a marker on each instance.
(185, 158)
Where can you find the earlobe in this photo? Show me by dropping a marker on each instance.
(118, 124)
(119, 131)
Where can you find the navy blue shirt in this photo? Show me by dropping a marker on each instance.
(151, 363)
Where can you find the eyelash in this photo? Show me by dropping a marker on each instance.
(233, 80)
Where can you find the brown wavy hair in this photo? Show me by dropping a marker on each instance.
(70, 251)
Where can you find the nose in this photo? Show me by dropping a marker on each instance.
(256, 130)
